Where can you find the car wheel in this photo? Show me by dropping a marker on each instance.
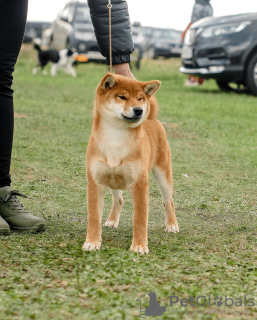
(251, 75)
(230, 87)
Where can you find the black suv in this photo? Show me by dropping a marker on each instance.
(225, 49)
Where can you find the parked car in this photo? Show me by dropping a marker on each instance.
(73, 29)
(224, 49)
(34, 29)
(165, 43)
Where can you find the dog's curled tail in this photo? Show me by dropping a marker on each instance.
(37, 47)
(37, 43)
(154, 108)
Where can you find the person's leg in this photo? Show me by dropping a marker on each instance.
(13, 15)
(12, 25)
(200, 81)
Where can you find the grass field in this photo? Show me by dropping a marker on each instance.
(212, 136)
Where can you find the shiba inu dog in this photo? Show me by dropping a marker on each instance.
(126, 143)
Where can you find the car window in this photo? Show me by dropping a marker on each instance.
(147, 31)
(167, 34)
(67, 13)
(175, 35)
(82, 14)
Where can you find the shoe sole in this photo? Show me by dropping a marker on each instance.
(36, 229)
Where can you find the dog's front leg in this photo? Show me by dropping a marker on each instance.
(70, 70)
(139, 193)
(95, 195)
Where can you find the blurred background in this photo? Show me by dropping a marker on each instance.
(161, 13)
(224, 49)
(156, 25)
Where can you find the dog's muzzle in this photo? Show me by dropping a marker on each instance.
(136, 117)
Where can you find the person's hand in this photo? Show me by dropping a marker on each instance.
(123, 69)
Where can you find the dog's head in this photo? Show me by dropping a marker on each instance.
(123, 100)
(71, 54)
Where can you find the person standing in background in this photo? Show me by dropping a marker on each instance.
(201, 9)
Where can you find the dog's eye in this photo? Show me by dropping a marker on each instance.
(122, 97)
(141, 98)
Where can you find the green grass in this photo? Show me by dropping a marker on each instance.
(212, 137)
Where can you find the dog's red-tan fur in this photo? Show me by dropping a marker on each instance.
(120, 155)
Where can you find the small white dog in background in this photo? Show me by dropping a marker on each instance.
(62, 59)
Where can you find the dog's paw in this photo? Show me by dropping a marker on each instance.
(142, 249)
(111, 224)
(172, 228)
(90, 246)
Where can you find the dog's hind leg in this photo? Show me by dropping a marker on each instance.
(44, 72)
(163, 177)
(42, 65)
(114, 216)
(54, 68)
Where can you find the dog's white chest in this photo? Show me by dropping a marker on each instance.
(114, 145)
(114, 154)
(113, 168)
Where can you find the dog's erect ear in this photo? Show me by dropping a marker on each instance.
(108, 81)
(151, 87)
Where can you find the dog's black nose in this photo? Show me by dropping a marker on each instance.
(138, 111)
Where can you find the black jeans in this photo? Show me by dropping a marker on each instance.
(13, 14)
